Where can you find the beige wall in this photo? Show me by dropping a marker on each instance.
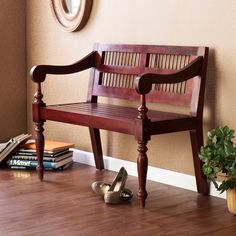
(182, 22)
(12, 69)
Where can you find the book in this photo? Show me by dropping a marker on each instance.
(31, 164)
(49, 145)
(33, 157)
(48, 169)
(11, 146)
(31, 152)
(2, 146)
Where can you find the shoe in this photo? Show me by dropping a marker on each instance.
(114, 193)
(101, 188)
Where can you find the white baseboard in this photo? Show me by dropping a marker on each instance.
(155, 174)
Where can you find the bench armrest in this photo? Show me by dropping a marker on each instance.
(143, 83)
(38, 73)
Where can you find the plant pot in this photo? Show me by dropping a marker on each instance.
(231, 200)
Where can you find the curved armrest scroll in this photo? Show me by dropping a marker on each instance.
(38, 73)
(143, 83)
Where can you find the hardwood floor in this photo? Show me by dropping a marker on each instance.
(64, 204)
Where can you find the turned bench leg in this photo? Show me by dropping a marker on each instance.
(39, 141)
(97, 148)
(142, 163)
(142, 136)
(196, 142)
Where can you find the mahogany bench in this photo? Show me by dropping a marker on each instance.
(173, 75)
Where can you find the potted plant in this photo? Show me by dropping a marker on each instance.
(219, 159)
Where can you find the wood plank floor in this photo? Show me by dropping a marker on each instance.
(64, 204)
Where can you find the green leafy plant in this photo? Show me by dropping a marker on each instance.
(219, 158)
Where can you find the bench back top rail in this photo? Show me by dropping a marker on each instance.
(117, 66)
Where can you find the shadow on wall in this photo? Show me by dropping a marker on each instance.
(211, 88)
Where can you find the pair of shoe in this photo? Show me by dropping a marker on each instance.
(116, 192)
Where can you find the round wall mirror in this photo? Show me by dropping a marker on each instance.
(71, 15)
(71, 7)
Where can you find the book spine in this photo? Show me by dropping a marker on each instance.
(31, 168)
(30, 163)
(45, 158)
(25, 152)
(31, 158)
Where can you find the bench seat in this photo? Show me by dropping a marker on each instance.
(102, 116)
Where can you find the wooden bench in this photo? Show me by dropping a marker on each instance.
(173, 75)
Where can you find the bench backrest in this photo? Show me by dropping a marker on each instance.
(118, 65)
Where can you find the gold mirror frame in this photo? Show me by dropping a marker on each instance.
(71, 22)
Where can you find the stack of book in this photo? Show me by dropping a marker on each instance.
(57, 155)
(7, 148)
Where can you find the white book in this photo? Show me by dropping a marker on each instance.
(11, 145)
